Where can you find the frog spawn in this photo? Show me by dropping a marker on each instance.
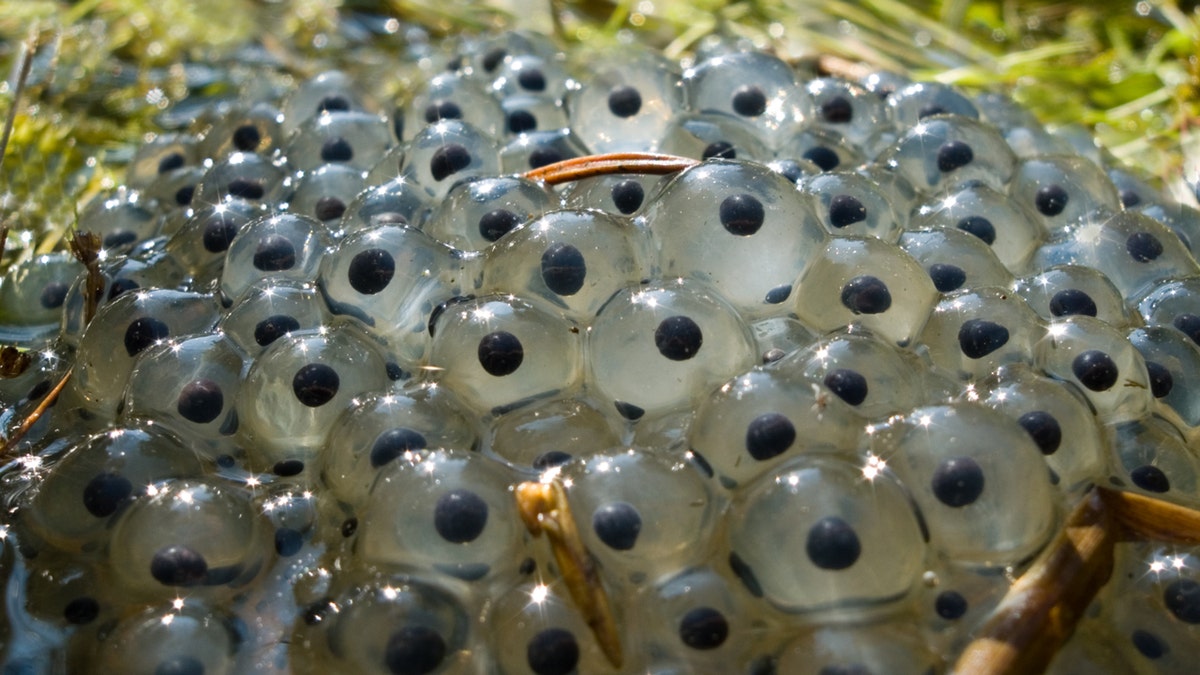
(450, 333)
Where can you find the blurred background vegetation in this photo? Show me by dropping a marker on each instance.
(104, 74)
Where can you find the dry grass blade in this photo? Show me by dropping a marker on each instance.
(85, 246)
(544, 509)
(612, 163)
(1040, 611)
(33, 417)
(27, 53)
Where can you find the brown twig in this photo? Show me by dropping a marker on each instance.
(1144, 517)
(33, 417)
(1040, 611)
(544, 508)
(612, 163)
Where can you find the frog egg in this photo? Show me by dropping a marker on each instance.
(549, 434)
(642, 514)
(328, 92)
(453, 96)
(1152, 457)
(894, 302)
(620, 195)
(941, 152)
(954, 259)
(574, 260)
(1069, 290)
(1181, 219)
(446, 511)
(444, 153)
(197, 537)
(820, 533)
(720, 219)
(187, 636)
(535, 629)
(913, 103)
(536, 149)
(779, 336)
(526, 113)
(713, 136)
(795, 170)
(955, 600)
(1021, 129)
(628, 104)
(1061, 190)
(385, 625)
(387, 169)
(325, 192)
(32, 296)
(299, 385)
(499, 352)
(530, 73)
(850, 204)
(992, 217)
(120, 218)
(963, 464)
(257, 128)
(863, 371)
(822, 147)
(200, 244)
(284, 246)
(1152, 606)
(173, 195)
(900, 193)
(97, 478)
(156, 269)
(70, 595)
(1056, 417)
(647, 347)
(700, 619)
(396, 202)
(1173, 364)
(479, 211)
(1133, 189)
(1174, 303)
(20, 392)
(846, 108)
(1133, 250)
(137, 320)
(488, 55)
(758, 88)
(347, 138)
(188, 387)
(160, 157)
(242, 175)
(767, 416)
(854, 649)
(269, 310)
(380, 428)
(1095, 647)
(971, 333)
(1099, 360)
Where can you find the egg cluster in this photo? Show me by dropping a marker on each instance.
(815, 401)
